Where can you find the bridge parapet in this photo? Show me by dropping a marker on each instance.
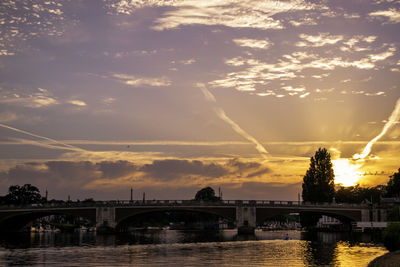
(118, 203)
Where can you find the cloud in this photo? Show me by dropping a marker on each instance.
(353, 43)
(291, 89)
(24, 21)
(253, 43)
(54, 144)
(392, 15)
(136, 81)
(5, 52)
(73, 176)
(188, 61)
(243, 166)
(303, 21)
(305, 95)
(174, 169)
(263, 190)
(383, 55)
(351, 16)
(114, 169)
(393, 120)
(108, 100)
(80, 173)
(8, 116)
(222, 115)
(79, 103)
(253, 74)
(236, 61)
(259, 173)
(154, 143)
(319, 40)
(380, 93)
(61, 175)
(37, 99)
(235, 14)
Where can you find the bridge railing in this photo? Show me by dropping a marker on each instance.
(154, 202)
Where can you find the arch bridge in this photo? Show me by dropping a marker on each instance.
(108, 214)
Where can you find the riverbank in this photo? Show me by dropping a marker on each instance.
(391, 259)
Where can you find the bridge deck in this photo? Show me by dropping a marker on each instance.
(192, 203)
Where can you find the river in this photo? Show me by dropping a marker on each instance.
(189, 248)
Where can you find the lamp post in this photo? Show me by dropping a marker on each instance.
(131, 195)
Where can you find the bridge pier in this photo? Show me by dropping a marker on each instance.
(246, 219)
(374, 215)
(105, 219)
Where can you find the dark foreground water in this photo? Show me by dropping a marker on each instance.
(189, 248)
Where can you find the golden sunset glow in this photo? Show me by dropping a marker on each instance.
(347, 172)
(171, 96)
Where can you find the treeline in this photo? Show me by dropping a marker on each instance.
(22, 195)
(28, 194)
(357, 194)
(319, 186)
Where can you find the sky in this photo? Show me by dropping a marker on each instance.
(169, 96)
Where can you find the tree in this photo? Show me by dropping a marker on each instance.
(393, 214)
(88, 201)
(206, 194)
(393, 185)
(318, 183)
(358, 194)
(391, 237)
(22, 195)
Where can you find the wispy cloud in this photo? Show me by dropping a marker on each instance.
(236, 14)
(27, 20)
(253, 43)
(36, 99)
(383, 55)
(303, 21)
(254, 74)
(393, 119)
(7, 116)
(392, 15)
(53, 141)
(305, 95)
(222, 115)
(137, 81)
(188, 61)
(318, 40)
(79, 103)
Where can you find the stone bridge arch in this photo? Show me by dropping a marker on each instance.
(346, 216)
(124, 214)
(15, 220)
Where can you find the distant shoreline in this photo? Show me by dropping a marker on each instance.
(390, 259)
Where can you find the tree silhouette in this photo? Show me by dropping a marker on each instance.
(22, 195)
(358, 194)
(393, 185)
(206, 194)
(318, 183)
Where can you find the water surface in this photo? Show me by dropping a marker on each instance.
(189, 248)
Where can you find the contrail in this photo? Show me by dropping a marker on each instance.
(66, 146)
(222, 115)
(393, 119)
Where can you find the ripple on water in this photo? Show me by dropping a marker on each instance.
(275, 252)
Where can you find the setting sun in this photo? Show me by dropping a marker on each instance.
(346, 172)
